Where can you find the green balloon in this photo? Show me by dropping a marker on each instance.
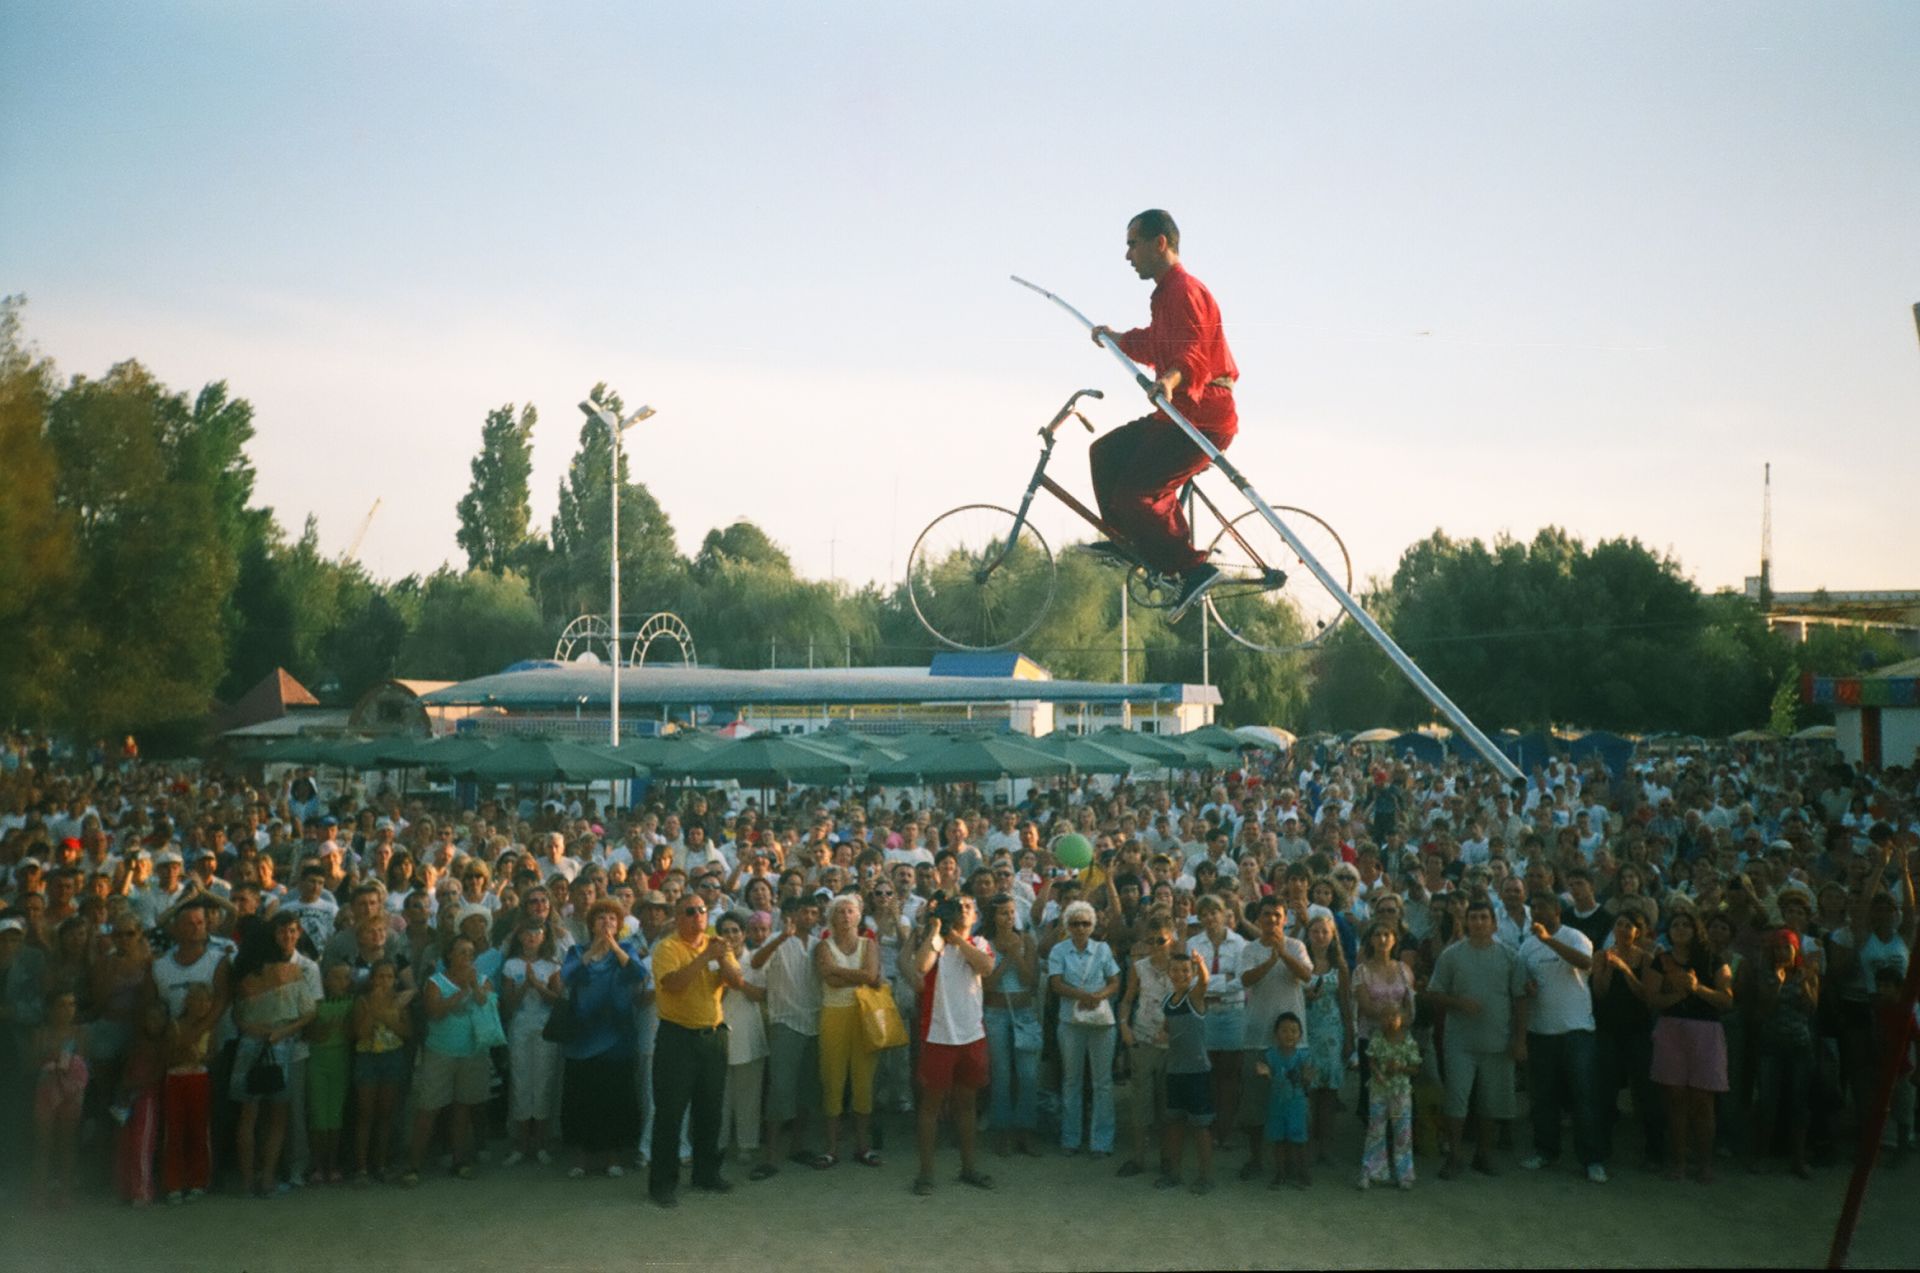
(1073, 850)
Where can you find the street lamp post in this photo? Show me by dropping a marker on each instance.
(616, 425)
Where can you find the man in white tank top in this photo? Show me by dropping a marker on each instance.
(950, 963)
(193, 960)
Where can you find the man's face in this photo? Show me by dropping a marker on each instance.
(1480, 926)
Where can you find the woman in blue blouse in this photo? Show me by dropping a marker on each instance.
(599, 1106)
(1084, 974)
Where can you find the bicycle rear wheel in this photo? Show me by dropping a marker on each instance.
(974, 584)
(1251, 607)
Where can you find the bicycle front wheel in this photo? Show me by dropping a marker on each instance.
(1252, 606)
(975, 583)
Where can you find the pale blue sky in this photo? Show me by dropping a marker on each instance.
(1484, 266)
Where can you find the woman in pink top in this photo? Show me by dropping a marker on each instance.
(1380, 983)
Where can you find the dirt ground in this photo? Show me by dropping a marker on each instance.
(1047, 1213)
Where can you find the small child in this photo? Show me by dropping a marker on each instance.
(380, 1027)
(60, 1058)
(1189, 1081)
(136, 1107)
(1289, 1067)
(186, 1100)
(1395, 1058)
(329, 1068)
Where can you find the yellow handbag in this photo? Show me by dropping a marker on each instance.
(881, 1026)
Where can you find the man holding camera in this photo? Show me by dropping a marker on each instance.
(951, 962)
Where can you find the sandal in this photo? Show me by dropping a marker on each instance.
(922, 1187)
(763, 1171)
(978, 1179)
(822, 1162)
(868, 1158)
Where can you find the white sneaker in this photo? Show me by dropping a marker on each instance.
(1533, 1162)
(513, 1159)
(1596, 1173)
(542, 1157)
(576, 1173)
(615, 1171)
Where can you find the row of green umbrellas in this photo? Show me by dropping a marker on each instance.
(829, 758)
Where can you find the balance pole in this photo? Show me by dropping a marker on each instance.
(1875, 1118)
(1408, 668)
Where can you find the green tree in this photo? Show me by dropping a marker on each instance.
(494, 511)
(38, 563)
(148, 480)
(571, 576)
(741, 542)
(472, 624)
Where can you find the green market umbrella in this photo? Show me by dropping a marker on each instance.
(299, 749)
(970, 758)
(1090, 757)
(768, 760)
(860, 747)
(452, 751)
(547, 760)
(1217, 737)
(1163, 751)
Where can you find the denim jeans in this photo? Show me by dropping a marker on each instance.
(1082, 1046)
(1013, 1062)
(1560, 1078)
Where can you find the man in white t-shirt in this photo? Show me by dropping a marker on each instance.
(553, 860)
(1558, 1012)
(951, 963)
(1275, 971)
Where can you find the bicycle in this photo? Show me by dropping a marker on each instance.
(982, 577)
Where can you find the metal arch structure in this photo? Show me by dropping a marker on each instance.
(662, 626)
(1421, 681)
(590, 633)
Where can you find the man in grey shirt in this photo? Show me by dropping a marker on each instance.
(1477, 981)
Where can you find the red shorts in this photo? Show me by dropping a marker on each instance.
(945, 1065)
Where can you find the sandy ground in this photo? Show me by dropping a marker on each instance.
(1047, 1213)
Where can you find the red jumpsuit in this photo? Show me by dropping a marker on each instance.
(1138, 469)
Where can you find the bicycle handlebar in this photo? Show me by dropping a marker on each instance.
(1070, 409)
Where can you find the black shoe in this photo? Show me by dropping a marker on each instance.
(719, 1184)
(1194, 584)
(1108, 553)
(664, 1198)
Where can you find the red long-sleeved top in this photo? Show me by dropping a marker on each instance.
(1185, 334)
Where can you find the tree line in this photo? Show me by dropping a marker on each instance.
(141, 583)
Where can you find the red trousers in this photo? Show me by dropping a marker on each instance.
(1138, 470)
(133, 1148)
(186, 1146)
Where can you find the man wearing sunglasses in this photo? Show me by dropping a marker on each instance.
(692, 970)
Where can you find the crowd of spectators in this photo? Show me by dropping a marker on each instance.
(219, 981)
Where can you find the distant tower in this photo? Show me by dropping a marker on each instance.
(1766, 540)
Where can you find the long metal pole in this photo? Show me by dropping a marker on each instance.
(613, 553)
(1421, 681)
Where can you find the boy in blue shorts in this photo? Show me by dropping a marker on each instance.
(1285, 1063)
(1189, 1084)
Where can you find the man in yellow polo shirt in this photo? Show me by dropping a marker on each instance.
(691, 970)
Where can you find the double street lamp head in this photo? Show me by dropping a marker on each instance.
(595, 411)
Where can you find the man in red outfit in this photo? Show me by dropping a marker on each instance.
(1138, 469)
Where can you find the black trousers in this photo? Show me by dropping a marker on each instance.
(689, 1070)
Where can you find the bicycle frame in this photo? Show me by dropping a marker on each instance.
(1049, 435)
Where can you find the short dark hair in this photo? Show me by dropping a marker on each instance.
(1156, 221)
